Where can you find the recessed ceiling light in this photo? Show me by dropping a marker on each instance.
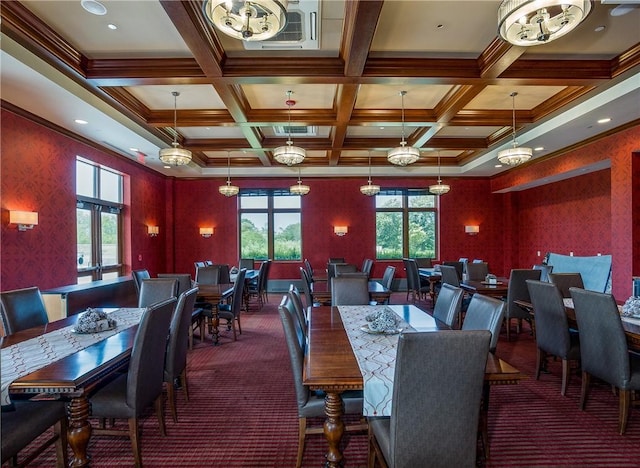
(603, 121)
(539, 148)
(81, 122)
(112, 26)
(94, 7)
(600, 28)
(440, 26)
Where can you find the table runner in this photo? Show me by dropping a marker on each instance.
(376, 356)
(28, 356)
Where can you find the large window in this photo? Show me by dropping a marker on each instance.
(406, 224)
(98, 221)
(270, 225)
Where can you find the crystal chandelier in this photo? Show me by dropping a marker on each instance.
(439, 188)
(299, 188)
(229, 190)
(289, 154)
(175, 156)
(369, 189)
(255, 20)
(514, 155)
(533, 22)
(403, 155)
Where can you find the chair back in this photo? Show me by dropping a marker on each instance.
(138, 276)
(603, 346)
(459, 266)
(146, 366)
(238, 293)
(309, 269)
(564, 281)
(544, 271)
(387, 278)
(224, 276)
(248, 263)
(485, 313)
(296, 300)
(184, 281)
(342, 268)
(423, 262)
(154, 290)
(518, 291)
(413, 275)
(449, 275)
(552, 325)
(178, 344)
(208, 274)
(306, 287)
(22, 309)
(367, 265)
(448, 304)
(436, 401)
(349, 290)
(477, 271)
(263, 276)
(336, 260)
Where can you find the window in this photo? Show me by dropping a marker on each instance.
(406, 224)
(270, 225)
(98, 222)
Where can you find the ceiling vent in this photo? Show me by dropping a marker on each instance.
(296, 130)
(302, 30)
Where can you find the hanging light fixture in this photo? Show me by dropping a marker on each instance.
(439, 188)
(533, 22)
(299, 188)
(289, 154)
(369, 189)
(229, 190)
(403, 155)
(514, 155)
(175, 156)
(255, 20)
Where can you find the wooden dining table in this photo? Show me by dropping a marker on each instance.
(331, 366)
(214, 294)
(499, 289)
(433, 277)
(322, 292)
(74, 377)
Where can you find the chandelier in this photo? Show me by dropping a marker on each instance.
(299, 188)
(229, 190)
(369, 189)
(515, 155)
(533, 22)
(175, 156)
(256, 20)
(289, 154)
(403, 155)
(439, 188)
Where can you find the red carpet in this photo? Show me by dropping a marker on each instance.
(242, 413)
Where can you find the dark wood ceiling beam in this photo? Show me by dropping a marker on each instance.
(549, 72)
(475, 117)
(498, 57)
(128, 72)
(361, 19)
(190, 118)
(627, 60)
(457, 98)
(257, 68)
(345, 103)
(559, 100)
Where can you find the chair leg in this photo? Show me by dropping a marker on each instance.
(160, 414)
(171, 397)
(134, 435)
(302, 427)
(584, 390)
(566, 376)
(185, 384)
(539, 359)
(625, 403)
(233, 325)
(60, 430)
(508, 322)
(239, 326)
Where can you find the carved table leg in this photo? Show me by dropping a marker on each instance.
(215, 321)
(333, 428)
(79, 430)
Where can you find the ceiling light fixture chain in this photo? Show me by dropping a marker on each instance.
(369, 189)
(175, 156)
(289, 154)
(229, 190)
(514, 155)
(439, 188)
(403, 155)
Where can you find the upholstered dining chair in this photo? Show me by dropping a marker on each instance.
(414, 284)
(449, 275)
(25, 422)
(308, 268)
(448, 305)
(296, 299)
(477, 271)
(367, 265)
(310, 404)
(459, 266)
(424, 262)
(259, 288)
(342, 268)
(248, 263)
(603, 349)
(564, 281)
(387, 278)
(349, 290)
(518, 291)
(224, 274)
(544, 271)
(175, 362)
(22, 309)
(184, 281)
(231, 312)
(209, 274)
(128, 395)
(154, 290)
(306, 287)
(485, 313)
(552, 329)
(138, 276)
(435, 403)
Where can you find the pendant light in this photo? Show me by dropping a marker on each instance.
(369, 189)
(255, 20)
(299, 188)
(229, 190)
(403, 155)
(289, 154)
(514, 155)
(175, 156)
(439, 188)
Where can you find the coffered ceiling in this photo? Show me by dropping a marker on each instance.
(61, 63)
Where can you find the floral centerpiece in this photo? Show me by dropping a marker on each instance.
(631, 307)
(94, 321)
(384, 320)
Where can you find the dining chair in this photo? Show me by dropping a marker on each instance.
(449, 275)
(553, 337)
(175, 362)
(154, 290)
(138, 276)
(306, 288)
(184, 281)
(336, 260)
(477, 271)
(564, 281)
(22, 309)
(518, 291)
(424, 262)
(209, 274)
(367, 265)
(448, 305)
(436, 402)
(259, 289)
(308, 268)
(544, 271)
(25, 421)
(387, 278)
(459, 266)
(301, 313)
(248, 263)
(224, 275)
(349, 290)
(231, 312)
(604, 351)
(342, 268)
(485, 313)
(310, 404)
(129, 394)
(414, 284)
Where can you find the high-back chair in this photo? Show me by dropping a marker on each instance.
(564, 281)
(477, 271)
(309, 269)
(552, 329)
(603, 349)
(485, 313)
(22, 309)
(343, 268)
(301, 312)
(423, 262)
(209, 274)
(387, 278)
(367, 265)
(544, 271)
(260, 288)
(435, 403)
(349, 290)
(414, 285)
(224, 275)
(129, 394)
(518, 291)
(449, 275)
(154, 290)
(306, 287)
(459, 266)
(231, 312)
(138, 276)
(248, 263)
(448, 305)
(184, 281)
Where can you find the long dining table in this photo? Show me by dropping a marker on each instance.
(331, 366)
(322, 292)
(73, 376)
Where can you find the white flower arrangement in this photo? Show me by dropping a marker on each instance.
(383, 321)
(94, 321)
(631, 307)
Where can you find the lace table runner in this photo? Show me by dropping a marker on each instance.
(28, 356)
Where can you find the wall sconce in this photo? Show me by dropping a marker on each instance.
(206, 232)
(153, 231)
(340, 230)
(472, 230)
(23, 219)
